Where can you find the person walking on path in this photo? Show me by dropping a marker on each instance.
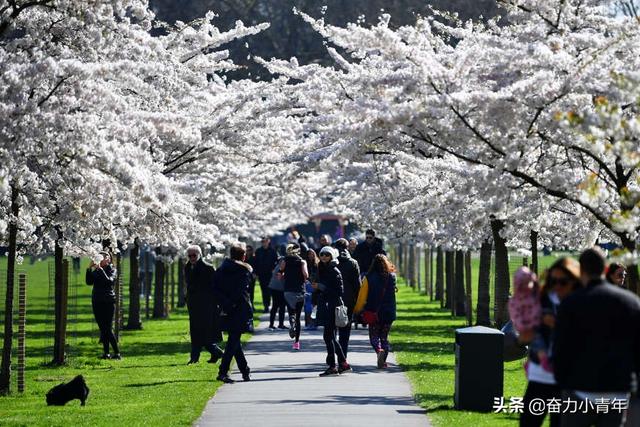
(204, 327)
(331, 290)
(562, 278)
(367, 250)
(294, 270)
(353, 244)
(351, 279)
(377, 303)
(311, 295)
(231, 288)
(251, 260)
(102, 277)
(265, 260)
(276, 287)
(616, 274)
(597, 345)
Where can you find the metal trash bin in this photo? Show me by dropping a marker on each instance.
(479, 368)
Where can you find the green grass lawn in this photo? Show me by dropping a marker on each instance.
(152, 385)
(423, 338)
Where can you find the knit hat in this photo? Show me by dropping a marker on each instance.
(331, 251)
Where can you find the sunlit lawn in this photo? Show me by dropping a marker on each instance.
(152, 385)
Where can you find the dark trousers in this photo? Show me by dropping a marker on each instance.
(345, 333)
(333, 347)
(294, 317)
(232, 350)
(252, 292)
(266, 292)
(539, 391)
(103, 311)
(379, 336)
(211, 348)
(612, 419)
(277, 307)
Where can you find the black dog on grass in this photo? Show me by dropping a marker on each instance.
(63, 393)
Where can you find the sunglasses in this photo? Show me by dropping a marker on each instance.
(562, 282)
(369, 238)
(325, 254)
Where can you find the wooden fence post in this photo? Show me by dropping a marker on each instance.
(22, 309)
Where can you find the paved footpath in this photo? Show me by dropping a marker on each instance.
(285, 389)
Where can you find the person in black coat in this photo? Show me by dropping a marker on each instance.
(231, 288)
(294, 269)
(597, 343)
(265, 261)
(331, 290)
(102, 277)
(203, 309)
(367, 250)
(351, 279)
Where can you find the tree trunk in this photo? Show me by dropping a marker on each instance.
(484, 279)
(633, 278)
(440, 276)
(501, 314)
(418, 265)
(181, 290)
(61, 283)
(400, 264)
(450, 296)
(133, 319)
(172, 280)
(428, 285)
(147, 283)
(158, 295)
(534, 251)
(459, 283)
(5, 367)
(411, 265)
(431, 274)
(467, 274)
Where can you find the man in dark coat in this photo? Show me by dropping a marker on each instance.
(231, 288)
(597, 344)
(265, 262)
(203, 309)
(351, 281)
(367, 250)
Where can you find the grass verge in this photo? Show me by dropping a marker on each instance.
(152, 385)
(423, 339)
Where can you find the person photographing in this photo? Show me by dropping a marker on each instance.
(102, 276)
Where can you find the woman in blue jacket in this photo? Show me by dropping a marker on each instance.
(378, 297)
(330, 286)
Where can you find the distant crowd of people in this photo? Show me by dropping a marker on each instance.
(582, 329)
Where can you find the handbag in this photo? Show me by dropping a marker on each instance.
(369, 317)
(277, 281)
(513, 349)
(342, 318)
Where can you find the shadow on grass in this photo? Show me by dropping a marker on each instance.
(165, 382)
(438, 402)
